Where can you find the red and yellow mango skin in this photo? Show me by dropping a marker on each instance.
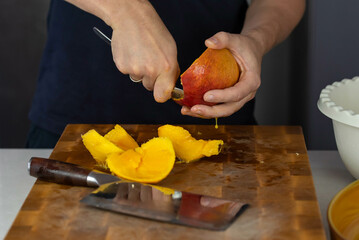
(214, 69)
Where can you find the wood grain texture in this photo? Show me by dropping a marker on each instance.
(265, 166)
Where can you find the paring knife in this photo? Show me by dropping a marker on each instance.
(141, 200)
(177, 93)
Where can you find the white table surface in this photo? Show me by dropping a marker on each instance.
(329, 175)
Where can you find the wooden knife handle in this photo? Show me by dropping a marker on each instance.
(58, 172)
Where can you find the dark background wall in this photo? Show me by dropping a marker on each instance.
(322, 49)
(23, 25)
(333, 55)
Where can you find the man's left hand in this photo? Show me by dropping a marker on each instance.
(247, 53)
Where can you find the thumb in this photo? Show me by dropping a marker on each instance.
(219, 41)
(164, 84)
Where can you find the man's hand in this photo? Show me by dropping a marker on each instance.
(249, 58)
(267, 23)
(141, 44)
(143, 47)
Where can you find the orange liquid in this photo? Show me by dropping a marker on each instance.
(216, 125)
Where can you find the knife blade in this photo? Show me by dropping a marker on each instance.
(177, 93)
(141, 200)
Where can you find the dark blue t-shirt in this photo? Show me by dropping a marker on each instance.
(79, 82)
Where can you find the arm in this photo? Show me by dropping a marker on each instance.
(267, 23)
(141, 44)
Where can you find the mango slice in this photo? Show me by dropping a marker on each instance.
(187, 148)
(99, 147)
(121, 138)
(150, 163)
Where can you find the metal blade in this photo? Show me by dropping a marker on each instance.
(102, 35)
(177, 93)
(96, 179)
(164, 204)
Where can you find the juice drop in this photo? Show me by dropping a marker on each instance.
(216, 125)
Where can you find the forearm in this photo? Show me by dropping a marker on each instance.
(269, 22)
(95, 7)
(110, 11)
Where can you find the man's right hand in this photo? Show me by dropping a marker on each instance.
(141, 44)
(143, 47)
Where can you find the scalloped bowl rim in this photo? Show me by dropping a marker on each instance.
(334, 111)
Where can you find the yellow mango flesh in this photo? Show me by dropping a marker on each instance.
(99, 147)
(150, 163)
(121, 138)
(164, 190)
(187, 148)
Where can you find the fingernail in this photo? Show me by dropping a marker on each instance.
(159, 98)
(196, 110)
(212, 40)
(209, 98)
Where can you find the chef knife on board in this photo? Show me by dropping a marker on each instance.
(138, 199)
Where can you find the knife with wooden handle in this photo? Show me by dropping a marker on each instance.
(67, 173)
(141, 200)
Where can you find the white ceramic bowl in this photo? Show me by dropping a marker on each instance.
(340, 102)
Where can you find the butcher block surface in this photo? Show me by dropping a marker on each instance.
(265, 166)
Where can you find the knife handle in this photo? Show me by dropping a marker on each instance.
(58, 172)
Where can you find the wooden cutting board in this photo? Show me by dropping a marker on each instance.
(265, 166)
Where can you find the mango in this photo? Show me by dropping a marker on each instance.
(119, 136)
(150, 163)
(187, 148)
(153, 160)
(99, 147)
(214, 69)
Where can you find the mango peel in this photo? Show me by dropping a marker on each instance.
(214, 69)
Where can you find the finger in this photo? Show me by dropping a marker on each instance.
(122, 67)
(187, 111)
(135, 78)
(248, 83)
(219, 40)
(165, 83)
(197, 116)
(220, 110)
(146, 72)
(148, 82)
